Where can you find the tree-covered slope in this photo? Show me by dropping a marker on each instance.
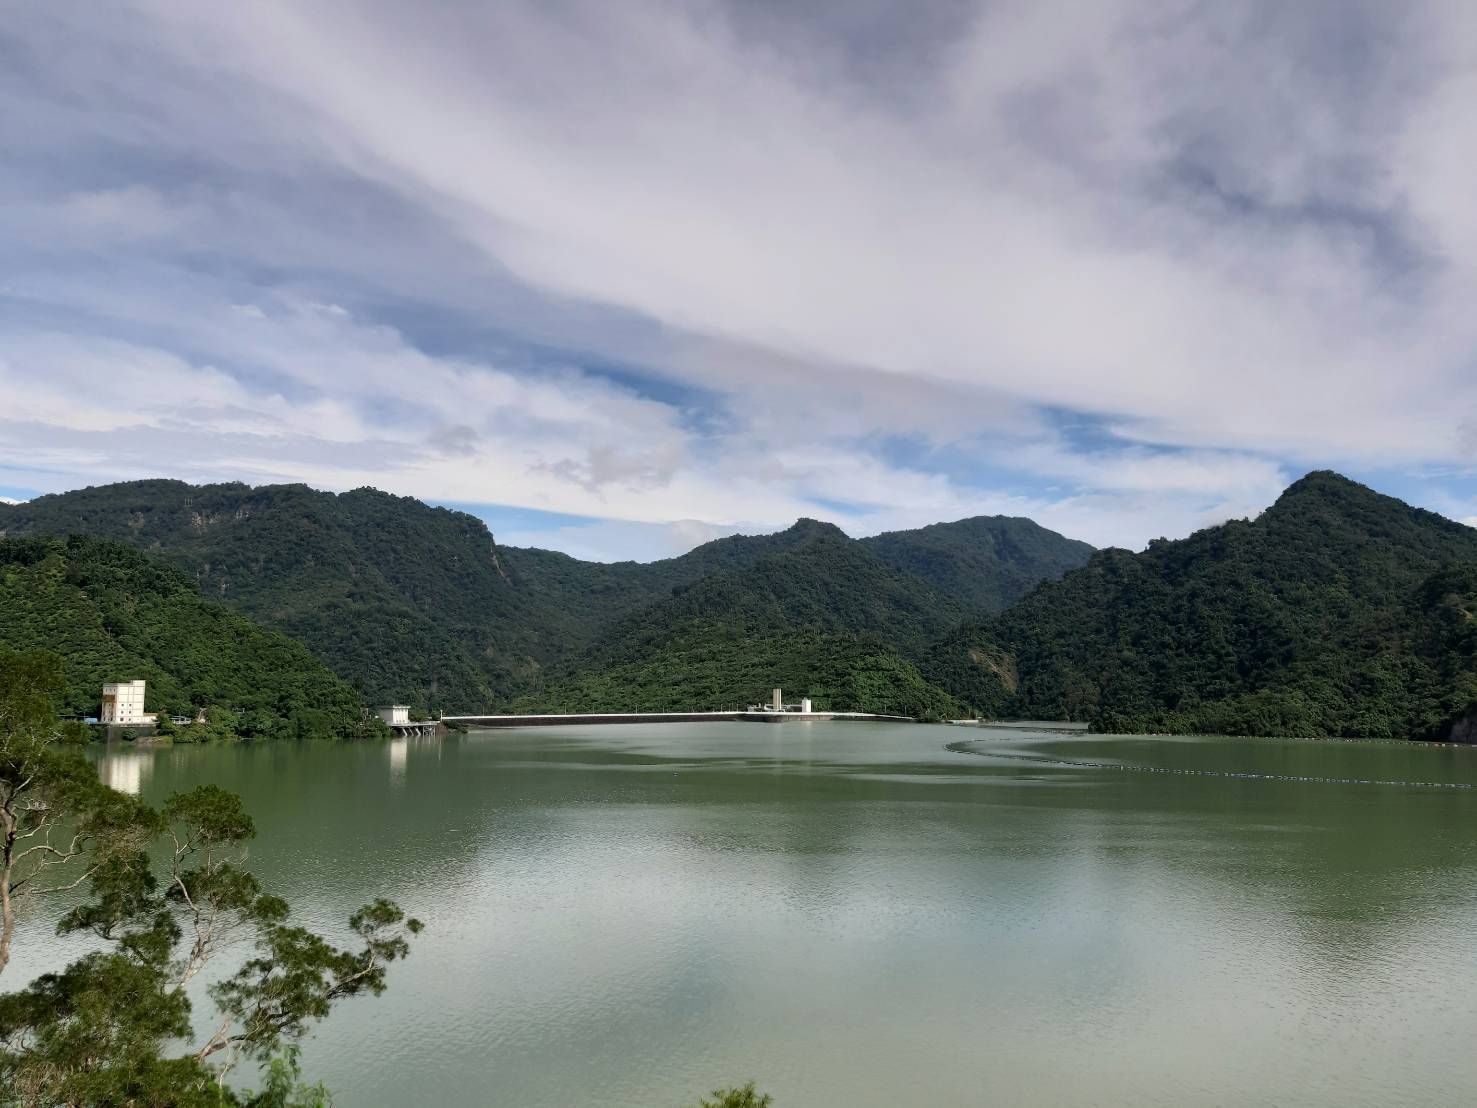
(984, 564)
(727, 671)
(418, 605)
(1337, 612)
(821, 616)
(114, 614)
(817, 580)
(410, 603)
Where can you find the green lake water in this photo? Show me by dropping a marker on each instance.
(876, 915)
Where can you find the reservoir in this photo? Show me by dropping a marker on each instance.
(874, 915)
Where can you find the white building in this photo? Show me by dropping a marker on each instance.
(395, 713)
(123, 702)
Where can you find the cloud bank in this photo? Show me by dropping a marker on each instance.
(671, 269)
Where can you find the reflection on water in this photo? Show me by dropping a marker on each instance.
(855, 914)
(126, 770)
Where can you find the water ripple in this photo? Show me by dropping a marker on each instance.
(1079, 763)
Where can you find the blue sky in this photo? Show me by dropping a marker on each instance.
(623, 278)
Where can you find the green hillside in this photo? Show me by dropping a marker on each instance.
(114, 614)
(984, 564)
(1337, 612)
(702, 672)
(822, 616)
(817, 580)
(418, 605)
(410, 603)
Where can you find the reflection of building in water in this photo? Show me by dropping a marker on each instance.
(123, 702)
(398, 751)
(125, 771)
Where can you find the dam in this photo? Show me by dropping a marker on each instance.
(750, 716)
(775, 711)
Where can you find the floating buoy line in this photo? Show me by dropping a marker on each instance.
(1078, 763)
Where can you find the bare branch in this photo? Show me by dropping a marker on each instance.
(71, 885)
(74, 848)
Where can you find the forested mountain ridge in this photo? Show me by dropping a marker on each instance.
(114, 614)
(815, 579)
(822, 616)
(1338, 611)
(983, 564)
(410, 603)
(418, 604)
(344, 574)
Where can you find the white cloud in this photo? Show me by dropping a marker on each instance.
(666, 166)
(317, 242)
(131, 212)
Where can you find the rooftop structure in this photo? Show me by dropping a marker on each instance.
(776, 703)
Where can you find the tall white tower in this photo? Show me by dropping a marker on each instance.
(123, 702)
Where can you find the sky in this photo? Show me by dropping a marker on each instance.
(620, 278)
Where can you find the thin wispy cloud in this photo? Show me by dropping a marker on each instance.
(686, 267)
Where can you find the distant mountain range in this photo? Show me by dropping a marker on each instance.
(817, 612)
(1338, 611)
(419, 605)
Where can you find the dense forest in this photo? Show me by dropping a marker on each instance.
(822, 616)
(113, 614)
(409, 603)
(699, 672)
(1338, 611)
(982, 565)
(418, 605)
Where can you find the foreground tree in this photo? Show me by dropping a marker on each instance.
(111, 1027)
(740, 1096)
(53, 810)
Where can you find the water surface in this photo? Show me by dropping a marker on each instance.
(857, 914)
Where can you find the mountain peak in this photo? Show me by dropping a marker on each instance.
(1324, 490)
(1324, 481)
(1313, 620)
(805, 526)
(1335, 496)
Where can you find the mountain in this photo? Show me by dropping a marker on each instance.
(1338, 611)
(693, 672)
(411, 603)
(344, 574)
(114, 614)
(820, 614)
(984, 564)
(418, 605)
(812, 577)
